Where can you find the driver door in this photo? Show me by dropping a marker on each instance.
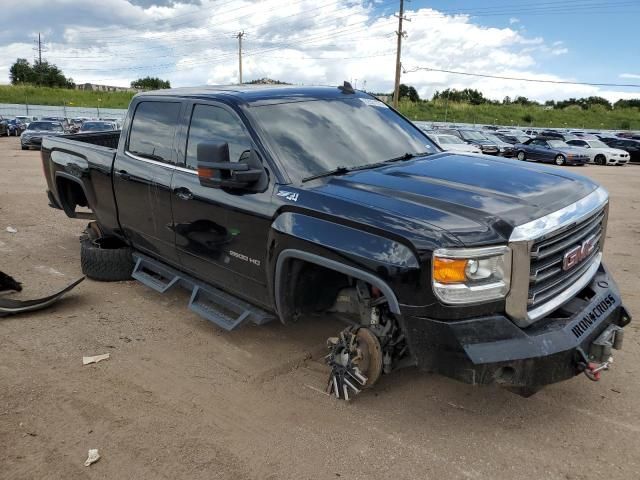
(221, 235)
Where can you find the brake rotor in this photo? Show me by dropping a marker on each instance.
(370, 362)
(355, 358)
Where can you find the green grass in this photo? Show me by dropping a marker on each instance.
(597, 117)
(573, 117)
(61, 96)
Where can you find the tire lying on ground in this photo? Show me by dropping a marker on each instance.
(105, 259)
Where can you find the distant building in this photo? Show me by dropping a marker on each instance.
(103, 88)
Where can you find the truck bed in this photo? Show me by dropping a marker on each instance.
(78, 171)
(102, 139)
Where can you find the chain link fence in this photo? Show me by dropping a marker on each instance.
(10, 110)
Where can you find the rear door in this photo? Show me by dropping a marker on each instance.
(142, 177)
(221, 235)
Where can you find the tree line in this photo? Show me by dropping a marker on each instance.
(40, 73)
(475, 97)
(45, 74)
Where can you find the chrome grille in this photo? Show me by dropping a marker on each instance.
(546, 275)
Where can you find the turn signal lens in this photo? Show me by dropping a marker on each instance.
(449, 270)
(206, 172)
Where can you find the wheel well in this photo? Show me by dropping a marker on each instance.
(306, 283)
(308, 288)
(71, 195)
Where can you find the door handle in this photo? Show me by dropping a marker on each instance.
(183, 193)
(123, 174)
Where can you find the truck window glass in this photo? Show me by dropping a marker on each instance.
(152, 130)
(316, 136)
(212, 124)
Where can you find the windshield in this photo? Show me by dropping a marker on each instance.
(317, 136)
(449, 139)
(48, 126)
(95, 126)
(597, 144)
(493, 138)
(471, 135)
(557, 144)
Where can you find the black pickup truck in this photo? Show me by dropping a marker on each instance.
(285, 201)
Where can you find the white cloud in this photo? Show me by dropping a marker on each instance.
(630, 75)
(513, 20)
(301, 41)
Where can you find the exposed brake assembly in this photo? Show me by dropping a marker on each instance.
(372, 344)
(600, 356)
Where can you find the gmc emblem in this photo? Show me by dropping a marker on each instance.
(578, 253)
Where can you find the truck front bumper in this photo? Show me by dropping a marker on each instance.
(494, 350)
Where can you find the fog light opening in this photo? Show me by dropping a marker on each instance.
(505, 375)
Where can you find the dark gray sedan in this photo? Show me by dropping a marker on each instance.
(549, 150)
(32, 136)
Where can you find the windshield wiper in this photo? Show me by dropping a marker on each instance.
(343, 170)
(406, 156)
(328, 173)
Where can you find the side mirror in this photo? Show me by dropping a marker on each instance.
(217, 171)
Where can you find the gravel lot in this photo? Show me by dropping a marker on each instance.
(180, 398)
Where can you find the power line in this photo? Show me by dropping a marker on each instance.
(536, 80)
(360, 26)
(173, 52)
(207, 35)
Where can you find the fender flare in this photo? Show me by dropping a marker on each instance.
(377, 282)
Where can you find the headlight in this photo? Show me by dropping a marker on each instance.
(471, 275)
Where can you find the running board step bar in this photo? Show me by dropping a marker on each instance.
(154, 274)
(220, 308)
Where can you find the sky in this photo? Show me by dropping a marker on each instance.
(324, 42)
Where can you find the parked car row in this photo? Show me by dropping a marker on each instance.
(32, 130)
(560, 148)
(13, 127)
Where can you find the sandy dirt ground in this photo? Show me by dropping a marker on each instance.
(181, 399)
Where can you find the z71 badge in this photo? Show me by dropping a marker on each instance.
(288, 195)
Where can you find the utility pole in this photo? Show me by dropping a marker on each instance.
(239, 37)
(39, 48)
(400, 33)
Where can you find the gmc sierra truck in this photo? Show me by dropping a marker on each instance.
(278, 202)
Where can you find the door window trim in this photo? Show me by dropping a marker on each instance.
(168, 166)
(171, 162)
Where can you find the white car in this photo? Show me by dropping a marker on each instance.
(451, 143)
(600, 153)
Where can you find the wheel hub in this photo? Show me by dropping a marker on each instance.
(356, 362)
